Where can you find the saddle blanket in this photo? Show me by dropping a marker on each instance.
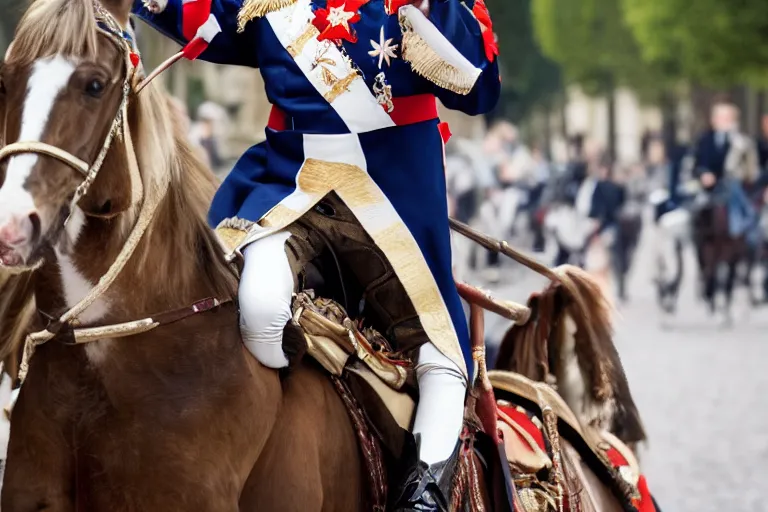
(527, 444)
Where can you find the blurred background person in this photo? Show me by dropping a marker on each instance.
(725, 161)
(206, 132)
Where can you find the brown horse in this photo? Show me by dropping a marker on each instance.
(717, 248)
(180, 417)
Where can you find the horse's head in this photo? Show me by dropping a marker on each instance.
(62, 86)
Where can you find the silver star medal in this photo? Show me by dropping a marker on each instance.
(384, 49)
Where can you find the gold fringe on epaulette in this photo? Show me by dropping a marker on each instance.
(258, 9)
(427, 63)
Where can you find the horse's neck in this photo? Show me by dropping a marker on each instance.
(176, 264)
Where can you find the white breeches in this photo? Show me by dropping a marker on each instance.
(266, 289)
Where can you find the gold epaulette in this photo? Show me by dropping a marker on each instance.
(432, 56)
(258, 9)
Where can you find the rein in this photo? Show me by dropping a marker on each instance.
(119, 129)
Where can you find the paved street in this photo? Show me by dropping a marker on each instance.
(701, 390)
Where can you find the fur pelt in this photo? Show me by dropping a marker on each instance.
(568, 342)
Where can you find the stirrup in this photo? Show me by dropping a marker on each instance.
(428, 488)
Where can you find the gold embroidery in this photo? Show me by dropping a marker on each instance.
(340, 87)
(258, 9)
(328, 77)
(297, 46)
(358, 191)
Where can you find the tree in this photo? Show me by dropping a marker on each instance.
(529, 79)
(596, 50)
(11, 13)
(711, 42)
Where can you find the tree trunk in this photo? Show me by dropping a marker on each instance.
(612, 135)
(668, 104)
(547, 146)
(563, 104)
(751, 113)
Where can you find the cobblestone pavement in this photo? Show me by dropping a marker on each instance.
(702, 391)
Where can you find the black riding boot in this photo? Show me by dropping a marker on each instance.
(428, 488)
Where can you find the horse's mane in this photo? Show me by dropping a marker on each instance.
(573, 318)
(17, 308)
(51, 27)
(180, 225)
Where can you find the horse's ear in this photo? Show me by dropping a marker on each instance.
(120, 9)
(111, 193)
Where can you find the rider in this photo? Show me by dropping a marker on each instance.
(725, 159)
(354, 85)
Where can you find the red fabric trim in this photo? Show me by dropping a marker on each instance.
(408, 110)
(193, 15)
(480, 10)
(278, 121)
(646, 503)
(195, 48)
(445, 132)
(616, 458)
(525, 422)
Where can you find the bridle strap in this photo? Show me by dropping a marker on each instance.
(41, 148)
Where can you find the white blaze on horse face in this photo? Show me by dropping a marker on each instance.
(48, 78)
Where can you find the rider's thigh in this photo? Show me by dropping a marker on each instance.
(266, 289)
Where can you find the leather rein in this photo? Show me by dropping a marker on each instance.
(109, 27)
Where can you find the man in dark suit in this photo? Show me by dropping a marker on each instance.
(725, 160)
(713, 146)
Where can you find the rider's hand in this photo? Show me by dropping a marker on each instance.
(707, 179)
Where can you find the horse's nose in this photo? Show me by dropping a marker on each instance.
(19, 229)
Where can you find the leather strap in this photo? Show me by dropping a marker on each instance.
(90, 334)
(35, 147)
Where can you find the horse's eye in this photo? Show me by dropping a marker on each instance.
(2, 87)
(95, 88)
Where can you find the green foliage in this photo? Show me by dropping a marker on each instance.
(529, 79)
(714, 42)
(10, 13)
(594, 46)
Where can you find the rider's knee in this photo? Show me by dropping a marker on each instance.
(434, 365)
(266, 289)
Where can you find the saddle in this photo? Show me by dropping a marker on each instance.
(546, 444)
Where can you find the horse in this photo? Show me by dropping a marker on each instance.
(565, 356)
(716, 248)
(176, 417)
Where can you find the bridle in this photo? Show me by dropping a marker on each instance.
(119, 130)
